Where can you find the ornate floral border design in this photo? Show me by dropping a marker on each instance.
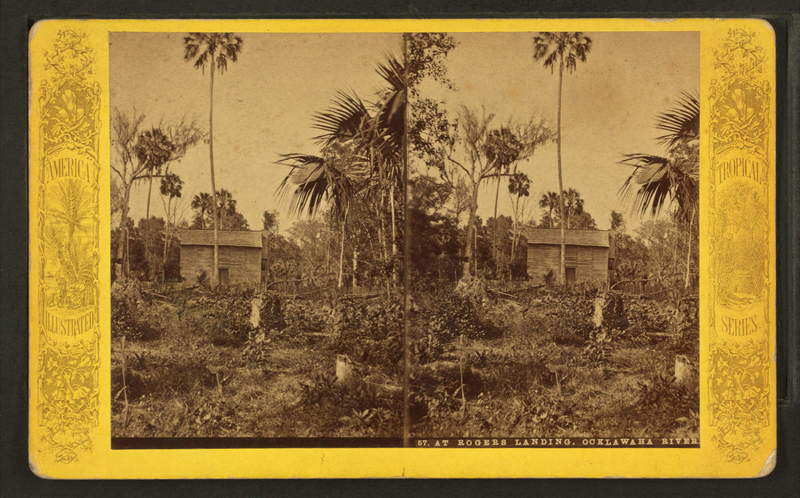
(739, 236)
(68, 240)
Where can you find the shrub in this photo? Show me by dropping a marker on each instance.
(369, 333)
(549, 278)
(231, 309)
(130, 313)
(202, 279)
(436, 389)
(271, 311)
(305, 315)
(452, 315)
(686, 327)
(427, 349)
(663, 393)
(597, 346)
(614, 316)
(568, 316)
(647, 316)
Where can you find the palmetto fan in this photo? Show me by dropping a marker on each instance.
(316, 179)
(659, 179)
(681, 123)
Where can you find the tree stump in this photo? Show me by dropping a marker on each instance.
(609, 311)
(255, 312)
(685, 372)
(599, 303)
(345, 370)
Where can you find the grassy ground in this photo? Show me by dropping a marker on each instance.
(481, 366)
(541, 370)
(189, 378)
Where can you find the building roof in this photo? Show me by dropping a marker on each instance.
(552, 236)
(234, 238)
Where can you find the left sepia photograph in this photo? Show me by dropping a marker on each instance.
(257, 218)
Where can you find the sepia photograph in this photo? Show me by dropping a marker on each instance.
(543, 187)
(257, 231)
(554, 237)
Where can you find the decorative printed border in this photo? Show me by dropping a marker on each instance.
(739, 231)
(68, 239)
(69, 424)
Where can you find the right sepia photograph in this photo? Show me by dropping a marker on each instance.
(552, 237)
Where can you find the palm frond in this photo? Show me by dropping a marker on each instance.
(316, 180)
(230, 46)
(215, 47)
(344, 120)
(651, 183)
(682, 122)
(545, 47)
(392, 71)
(311, 186)
(577, 47)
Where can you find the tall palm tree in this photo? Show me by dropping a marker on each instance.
(226, 206)
(213, 50)
(154, 150)
(518, 187)
(504, 147)
(549, 201)
(573, 204)
(659, 180)
(389, 126)
(375, 133)
(203, 202)
(563, 50)
(171, 187)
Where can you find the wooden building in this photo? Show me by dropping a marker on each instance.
(241, 255)
(589, 254)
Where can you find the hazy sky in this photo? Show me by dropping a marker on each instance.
(609, 105)
(264, 104)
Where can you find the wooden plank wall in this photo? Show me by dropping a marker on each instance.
(590, 263)
(243, 263)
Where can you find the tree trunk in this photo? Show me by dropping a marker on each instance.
(149, 192)
(689, 252)
(514, 229)
(341, 257)
(496, 225)
(476, 251)
(568, 210)
(382, 226)
(166, 240)
(394, 231)
(147, 217)
(406, 268)
(471, 264)
(215, 273)
(123, 222)
(563, 269)
(122, 253)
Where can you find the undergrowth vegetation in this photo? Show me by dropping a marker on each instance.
(539, 366)
(247, 363)
(251, 363)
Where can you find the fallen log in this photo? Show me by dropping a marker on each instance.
(501, 293)
(156, 295)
